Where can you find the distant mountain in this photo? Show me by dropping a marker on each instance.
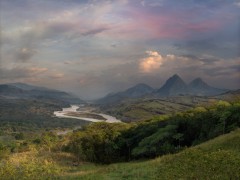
(24, 86)
(9, 90)
(199, 87)
(137, 91)
(174, 86)
(25, 91)
(198, 83)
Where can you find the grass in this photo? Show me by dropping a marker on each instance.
(216, 159)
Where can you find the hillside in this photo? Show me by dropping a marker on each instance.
(216, 159)
(164, 147)
(233, 95)
(24, 115)
(146, 108)
(136, 91)
(25, 91)
(25, 108)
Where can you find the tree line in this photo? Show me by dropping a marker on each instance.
(107, 143)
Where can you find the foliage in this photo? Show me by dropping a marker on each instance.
(28, 166)
(105, 143)
(97, 142)
(25, 115)
(23, 156)
(216, 159)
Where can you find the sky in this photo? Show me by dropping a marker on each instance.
(94, 47)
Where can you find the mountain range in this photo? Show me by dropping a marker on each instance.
(174, 86)
(25, 91)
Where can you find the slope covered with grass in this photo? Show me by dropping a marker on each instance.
(216, 159)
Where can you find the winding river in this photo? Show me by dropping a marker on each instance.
(82, 109)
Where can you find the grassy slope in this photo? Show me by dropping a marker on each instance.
(216, 159)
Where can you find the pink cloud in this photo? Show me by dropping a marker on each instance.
(37, 70)
(176, 25)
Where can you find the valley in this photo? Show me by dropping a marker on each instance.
(119, 90)
(165, 147)
(69, 140)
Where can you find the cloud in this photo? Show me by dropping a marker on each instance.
(100, 45)
(36, 70)
(57, 75)
(18, 72)
(151, 63)
(68, 62)
(156, 4)
(25, 54)
(237, 4)
(213, 45)
(95, 31)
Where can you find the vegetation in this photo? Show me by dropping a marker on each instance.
(98, 142)
(159, 136)
(216, 159)
(174, 140)
(144, 109)
(18, 115)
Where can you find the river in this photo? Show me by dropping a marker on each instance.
(82, 109)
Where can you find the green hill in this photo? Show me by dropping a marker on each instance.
(216, 159)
